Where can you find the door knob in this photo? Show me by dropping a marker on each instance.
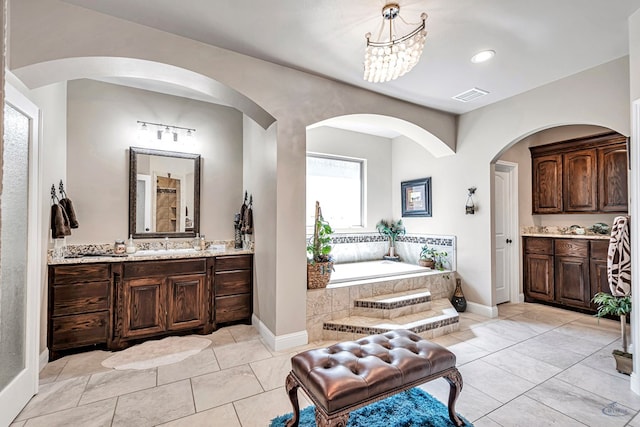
(509, 241)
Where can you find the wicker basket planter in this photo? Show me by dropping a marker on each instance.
(319, 274)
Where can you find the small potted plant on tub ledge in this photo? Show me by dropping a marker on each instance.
(391, 230)
(427, 257)
(319, 259)
(610, 305)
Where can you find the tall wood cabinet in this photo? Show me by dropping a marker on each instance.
(582, 175)
(117, 304)
(564, 271)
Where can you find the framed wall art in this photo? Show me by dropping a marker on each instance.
(416, 197)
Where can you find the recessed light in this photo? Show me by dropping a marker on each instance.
(483, 56)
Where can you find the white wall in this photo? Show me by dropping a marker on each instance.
(376, 151)
(102, 126)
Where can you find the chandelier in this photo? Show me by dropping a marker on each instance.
(390, 59)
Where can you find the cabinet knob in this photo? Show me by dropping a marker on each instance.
(509, 241)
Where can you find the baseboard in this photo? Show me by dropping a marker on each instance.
(519, 299)
(280, 342)
(43, 359)
(635, 383)
(483, 310)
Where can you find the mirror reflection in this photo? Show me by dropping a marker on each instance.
(164, 193)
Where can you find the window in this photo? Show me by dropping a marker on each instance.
(337, 183)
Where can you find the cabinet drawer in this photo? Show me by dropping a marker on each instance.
(163, 268)
(237, 307)
(572, 248)
(538, 245)
(79, 330)
(235, 262)
(65, 274)
(599, 249)
(232, 282)
(80, 298)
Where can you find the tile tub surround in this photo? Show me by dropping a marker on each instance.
(358, 247)
(338, 301)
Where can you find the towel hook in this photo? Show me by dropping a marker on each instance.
(62, 193)
(54, 196)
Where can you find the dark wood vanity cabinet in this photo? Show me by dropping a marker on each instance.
(564, 271)
(538, 268)
(583, 175)
(162, 296)
(233, 285)
(79, 306)
(117, 304)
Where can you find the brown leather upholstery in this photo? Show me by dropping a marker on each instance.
(354, 371)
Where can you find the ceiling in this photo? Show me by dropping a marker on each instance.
(536, 42)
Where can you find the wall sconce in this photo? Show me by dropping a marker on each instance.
(470, 207)
(167, 131)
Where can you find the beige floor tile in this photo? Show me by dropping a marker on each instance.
(610, 387)
(526, 412)
(635, 422)
(154, 406)
(244, 332)
(563, 341)
(220, 337)
(51, 371)
(115, 383)
(272, 372)
(84, 364)
(54, 397)
(466, 353)
(17, 424)
(509, 309)
(586, 407)
(259, 410)
(472, 403)
(548, 353)
(604, 361)
(199, 364)
(222, 387)
(531, 369)
(241, 353)
(98, 414)
(599, 336)
(222, 416)
(495, 382)
(510, 329)
(486, 422)
(484, 339)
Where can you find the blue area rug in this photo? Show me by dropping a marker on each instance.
(411, 408)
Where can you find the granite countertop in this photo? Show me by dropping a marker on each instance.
(146, 256)
(588, 235)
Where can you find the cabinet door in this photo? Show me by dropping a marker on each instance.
(538, 277)
(186, 302)
(580, 181)
(144, 311)
(572, 281)
(547, 184)
(613, 187)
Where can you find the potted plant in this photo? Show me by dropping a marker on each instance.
(391, 230)
(319, 260)
(427, 256)
(441, 259)
(609, 305)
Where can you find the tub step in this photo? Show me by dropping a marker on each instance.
(393, 305)
(441, 319)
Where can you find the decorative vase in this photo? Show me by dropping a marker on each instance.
(458, 301)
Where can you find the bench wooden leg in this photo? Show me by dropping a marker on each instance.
(322, 420)
(292, 390)
(455, 387)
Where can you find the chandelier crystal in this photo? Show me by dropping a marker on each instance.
(387, 60)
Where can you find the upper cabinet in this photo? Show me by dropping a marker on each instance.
(583, 175)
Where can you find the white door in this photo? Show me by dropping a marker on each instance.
(19, 256)
(504, 197)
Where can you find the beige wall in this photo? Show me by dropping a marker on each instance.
(101, 126)
(376, 151)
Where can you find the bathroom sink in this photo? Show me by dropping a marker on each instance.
(159, 252)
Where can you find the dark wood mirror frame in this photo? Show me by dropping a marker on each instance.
(133, 176)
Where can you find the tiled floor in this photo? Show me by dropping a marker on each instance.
(532, 366)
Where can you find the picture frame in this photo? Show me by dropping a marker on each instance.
(416, 197)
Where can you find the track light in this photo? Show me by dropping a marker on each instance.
(168, 130)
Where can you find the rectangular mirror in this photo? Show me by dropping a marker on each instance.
(164, 193)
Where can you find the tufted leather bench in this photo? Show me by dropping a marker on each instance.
(352, 374)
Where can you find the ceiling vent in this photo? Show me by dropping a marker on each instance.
(470, 95)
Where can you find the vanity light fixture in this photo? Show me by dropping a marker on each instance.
(386, 60)
(168, 130)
